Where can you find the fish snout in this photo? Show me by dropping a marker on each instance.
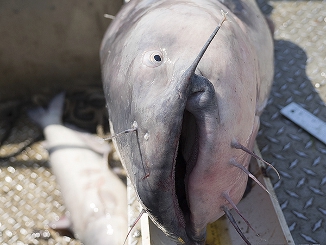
(202, 97)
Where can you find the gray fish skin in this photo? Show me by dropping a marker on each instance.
(189, 120)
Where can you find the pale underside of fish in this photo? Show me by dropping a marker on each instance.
(94, 196)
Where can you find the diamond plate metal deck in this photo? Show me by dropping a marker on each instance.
(300, 76)
(30, 199)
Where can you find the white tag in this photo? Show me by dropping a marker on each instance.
(306, 120)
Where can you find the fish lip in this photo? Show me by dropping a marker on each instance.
(201, 104)
(183, 212)
(184, 166)
(180, 185)
(182, 215)
(159, 191)
(193, 235)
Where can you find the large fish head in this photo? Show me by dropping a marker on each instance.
(185, 117)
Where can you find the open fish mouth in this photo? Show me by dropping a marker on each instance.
(198, 118)
(186, 160)
(161, 172)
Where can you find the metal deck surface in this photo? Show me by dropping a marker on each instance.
(300, 76)
(30, 199)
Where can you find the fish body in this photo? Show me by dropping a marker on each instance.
(93, 195)
(186, 123)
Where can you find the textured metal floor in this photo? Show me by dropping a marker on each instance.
(29, 198)
(300, 70)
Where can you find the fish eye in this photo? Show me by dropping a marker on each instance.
(153, 58)
(157, 57)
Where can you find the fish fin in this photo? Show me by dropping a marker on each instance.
(50, 115)
(63, 223)
(63, 227)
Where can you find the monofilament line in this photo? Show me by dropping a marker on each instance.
(133, 129)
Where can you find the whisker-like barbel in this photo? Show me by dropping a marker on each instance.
(234, 223)
(237, 145)
(234, 163)
(192, 68)
(134, 224)
(228, 198)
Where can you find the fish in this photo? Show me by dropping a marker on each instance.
(96, 199)
(185, 120)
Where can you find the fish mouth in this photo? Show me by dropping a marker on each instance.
(200, 116)
(161, 155)
(186, 160)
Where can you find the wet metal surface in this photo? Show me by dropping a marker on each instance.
(29, 196)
